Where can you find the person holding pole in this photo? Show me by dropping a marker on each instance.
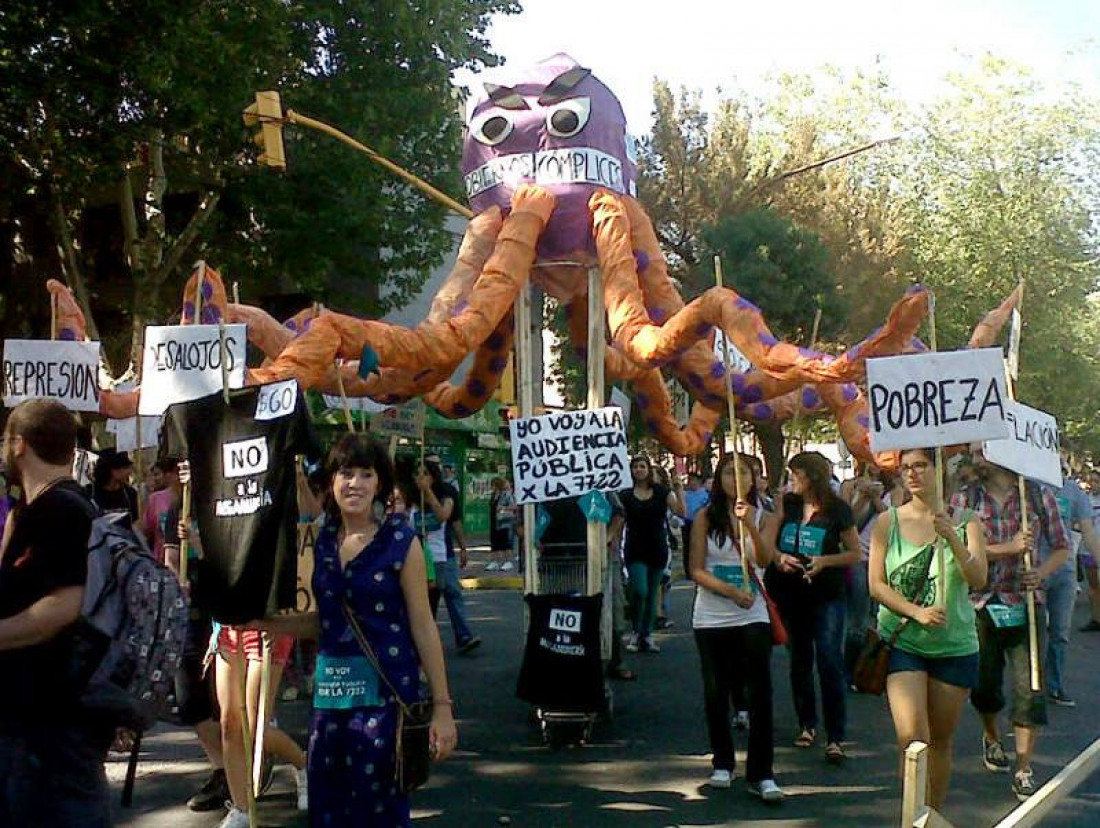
(732, 627)
(1004, 634)
(816, 537)
(934, 661)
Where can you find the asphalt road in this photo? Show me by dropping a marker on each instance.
(647, 767)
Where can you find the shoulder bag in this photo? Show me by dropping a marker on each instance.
(413, 758)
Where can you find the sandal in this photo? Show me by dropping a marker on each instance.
(622, 674)
(834, 753)
(805, 738)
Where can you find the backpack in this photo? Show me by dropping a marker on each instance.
(138, 608)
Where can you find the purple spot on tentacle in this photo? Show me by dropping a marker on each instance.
(806, 352)
(641, 260)
(652, 424)
(762, 411)
(461, 306)
(917, 345)
(291, 325)
(767, 339)
(828, 359)
(210, 315)
(744, 304)
(462, 410)
(849, 391)
(855, 352)
(421, 375)
(307, 324)
(643, 400)
(914, 289)
(703, 329)
(66, 335)
(207, 289)
(495, 341)
(737, 381)
(189, 310)
(714, 399)
(863, 421)
(476, 388)
(498, 364)
(717, 370)
(752, 394)
(695, 381)
(657, 314)
(810, 398)
(708, 436)
(875, 332)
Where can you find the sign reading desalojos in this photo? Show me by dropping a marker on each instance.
(184, 362)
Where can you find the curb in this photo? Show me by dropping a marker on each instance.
(493, 582)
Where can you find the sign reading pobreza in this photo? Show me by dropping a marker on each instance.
(184, 362)
(67, 372)
(568, 454)
(937, 399)
(1031, 448)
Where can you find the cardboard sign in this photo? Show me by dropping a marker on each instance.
(307, 538)
(936, 399)
(569, 453)
(276, 400)
(184, 362)
(739, 363)
(44, 369)
(334, 403)
(400, 421)
(1032, 445)
(126, 432)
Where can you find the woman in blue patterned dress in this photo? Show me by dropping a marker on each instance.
(374, 563)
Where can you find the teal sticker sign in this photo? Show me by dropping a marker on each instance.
(733, 575)
(802, 539)
(345, 682)
(1007, 616)
(595, 506)
(542, 521)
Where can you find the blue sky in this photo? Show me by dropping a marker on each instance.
(736, 45)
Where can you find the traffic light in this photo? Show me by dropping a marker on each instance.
(268, 113)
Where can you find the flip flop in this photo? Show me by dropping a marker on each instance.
(834, 753)
(623, 674)
(805, 738)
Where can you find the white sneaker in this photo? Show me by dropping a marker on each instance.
(651, 644)
(741, 720)
(631, 643)
(236, 818)
(507, 566)
(301, 780)
(721, 779)
(767, 790)
(492, 566)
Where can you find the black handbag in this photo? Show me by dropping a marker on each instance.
(413, 759)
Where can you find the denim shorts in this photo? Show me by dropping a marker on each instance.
(960, 671)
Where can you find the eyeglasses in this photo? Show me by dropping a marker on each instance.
(915, 468)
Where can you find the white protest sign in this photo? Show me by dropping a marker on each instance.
(334, 403)
(244, 458)
(936, 399)
(126, 432)
(83, 463)
(621, 400)
(400, 421)
(1014, 331)
(276, 400)
(184, 362)
(568, 453)
(739, 363)
(1032, 445)
(67, 372)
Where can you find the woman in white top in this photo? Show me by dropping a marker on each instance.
(731, 626)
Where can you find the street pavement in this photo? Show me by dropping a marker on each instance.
(647, 767)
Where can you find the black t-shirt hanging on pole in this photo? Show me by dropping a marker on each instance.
(244, 498)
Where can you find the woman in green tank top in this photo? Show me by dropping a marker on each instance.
(934, 661)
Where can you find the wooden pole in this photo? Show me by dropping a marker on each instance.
(914, 783)
(236, 293)
(1032, 614)
(53, 316)
(941, 550)
(224, 360)
(344, 398)
(524, 360)
(201, 266)
(241, 665)
(735, 433)
(261, 716)
(185, 506)
(597, 344)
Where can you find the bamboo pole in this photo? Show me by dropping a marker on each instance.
(185, 507)
(597, 344)
(261, 716)
(240, 664)
(344, 398)
(526, 397)
(53, 316)
(941, 551)
(293, 117)
(914, 783)
(735, 432)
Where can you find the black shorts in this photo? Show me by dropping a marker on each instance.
(194, 691)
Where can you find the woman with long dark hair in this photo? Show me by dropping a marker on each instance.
(732, 629)
(645, 506)
(368, 572)
(934, 662)
(816, 537)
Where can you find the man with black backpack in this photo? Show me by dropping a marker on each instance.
(51, 753)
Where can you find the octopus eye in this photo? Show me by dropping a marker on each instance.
(569, 117)
(492, 127)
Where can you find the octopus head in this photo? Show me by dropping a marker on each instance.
(555, 124)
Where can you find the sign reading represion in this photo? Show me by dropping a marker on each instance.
(1032, 445)
(937, 399)
(184, 362)
(67, 372)
(569, 453)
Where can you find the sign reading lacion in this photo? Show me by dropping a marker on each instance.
(184, 362)
(1032, 445)
(67, 372)
(937, 399)
(569, 453)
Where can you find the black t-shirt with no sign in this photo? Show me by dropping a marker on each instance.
(646, 527)
(244, 499)
(48, 551)
(834, 520)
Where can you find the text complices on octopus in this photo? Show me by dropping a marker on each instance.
(568, 454)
